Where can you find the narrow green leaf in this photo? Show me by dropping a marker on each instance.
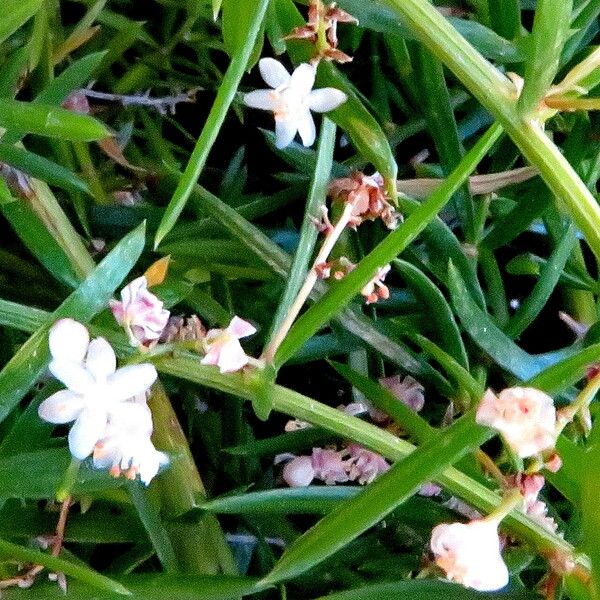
(92, 296)
(550, 31)
(385, 401)
(487, 335)
(214, 121)
(15, 14)
(589, 506)
(50, 121)
(505, 16)
(549, 276)
(444, 324)
(150, 518)
(59, 565)
(308, 232)
(378, 499)
(424, 589)
(42, 168)
(308, 500)
(340, 295)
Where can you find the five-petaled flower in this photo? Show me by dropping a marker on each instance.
(291, 99)
(95, 390)
(469, 553)
(525, 417)
(223, 348)
(140, 312)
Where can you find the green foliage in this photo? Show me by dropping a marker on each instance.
(124, 139)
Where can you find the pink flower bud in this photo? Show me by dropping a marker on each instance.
(329, 466)
(525, 417)
(299, 472)
(366, 465)
(140, 312)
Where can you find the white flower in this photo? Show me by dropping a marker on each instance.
(126, 448)
(223, 348)
(291, 100)
(470, 554)
(95, 387)
(525, 417)
(140, 312)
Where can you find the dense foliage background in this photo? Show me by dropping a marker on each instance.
(160, 157)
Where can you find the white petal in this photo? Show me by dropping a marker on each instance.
(87, 431)
(240, 328)
(101, 360)
(61, 407)
(326, 99)
(131, 380)
(306, 129)
(131, 418)
(68, 340)
(273, 72)
(72, 374)
(232, 357)
(262, 99)
(303, 79)
(285, 132)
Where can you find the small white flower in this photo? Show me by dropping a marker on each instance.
(95, 387)
(291, 100)
(525, 417)
(223, 348)
(126, 448)
(140, 312)
(470, 554)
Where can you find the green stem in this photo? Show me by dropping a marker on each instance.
(66, 486)
(292, 403)
(497, 94)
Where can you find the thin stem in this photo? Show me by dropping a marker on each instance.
(511, 502)
(581, 404)
(329, 242)
(64, 491)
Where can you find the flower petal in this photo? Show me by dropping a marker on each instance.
(326, 99)
(87, 431)
(131, 418)
(285, 132)
(68, 340)
(273, 72)
(306, 129)
(131, 291)
(303, 79)
(262, 99)
(131, 380)
(232, 357)
(240, 328)
(72, 374)
(61, 407)
(101, 361)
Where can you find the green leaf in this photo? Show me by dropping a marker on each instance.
(308, 232)
(58, 565)
(487, 335)
(385, 401)
(589, 506)
(445, 326)
(423, 589)
(550, 31)
(308, 500)
(340, 295)
(42, 168)
(378, 499)
(15, 14)
(548, 278)
(92, 296)
(215, 119)
(50, 121)
(152, 587)
(150, 518)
